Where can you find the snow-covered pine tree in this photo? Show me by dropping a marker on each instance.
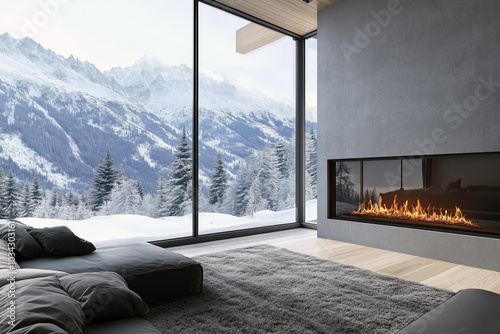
(160, 199)
(26, 206)
(267, 175)
(53, 197)
(103, 182)
(311, 165)
(36, 194)
(219, 182)
(44, 210)
(290, 189)
(237, 200)
(124, 198)
(60, 200)
(140, 189)
(3, 196)
(82, 211)
(148, 207)
(72, 200)
(180, 180)
(284, 165)
(256, 202)
(11, 197)
(280, 152)
(53, 210)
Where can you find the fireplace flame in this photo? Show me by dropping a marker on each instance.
(417, 213)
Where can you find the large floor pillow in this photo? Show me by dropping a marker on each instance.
(39, 301)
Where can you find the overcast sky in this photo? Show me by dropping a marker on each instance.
(115, 33)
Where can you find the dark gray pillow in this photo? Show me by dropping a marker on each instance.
(61, 241)
(103, 295)
(26, 245)
(37, 301)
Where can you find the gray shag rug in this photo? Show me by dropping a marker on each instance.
(265, 289)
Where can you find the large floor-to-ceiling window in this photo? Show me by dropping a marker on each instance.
(96, 116)
(246, 125)
(97, 130)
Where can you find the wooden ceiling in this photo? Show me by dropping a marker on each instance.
(293, 15)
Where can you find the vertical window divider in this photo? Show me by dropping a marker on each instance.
(300, 126)
(195, 195)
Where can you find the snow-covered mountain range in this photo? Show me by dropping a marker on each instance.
(59, 116)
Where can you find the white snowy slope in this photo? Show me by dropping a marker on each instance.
(116, 229)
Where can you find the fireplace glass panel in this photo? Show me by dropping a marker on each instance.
(453, 192)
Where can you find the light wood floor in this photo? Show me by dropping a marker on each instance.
(440, 274)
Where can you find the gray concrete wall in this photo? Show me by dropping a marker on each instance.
(406, 78)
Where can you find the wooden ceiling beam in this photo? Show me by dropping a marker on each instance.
(253, 36)
(293, 15)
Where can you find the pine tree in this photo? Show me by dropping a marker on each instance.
(82, 211)
(124, 197)
(311, 165)
(237, 203)
(267, 178)
(3, 196)
(36, 194)
(256, 201)
(12, 197)
(148, 207)
(161, 197)
(284, 165)
(53, 198)
(104, 179)
(44, 210)
(219, 182)
(280, 152)
(26, 207)
(344, 185)
(180, 179)
(140, 189)
(72, 200)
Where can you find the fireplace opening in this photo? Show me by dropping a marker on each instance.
(457, 193)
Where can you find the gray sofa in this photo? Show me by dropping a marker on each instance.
(470, 311)
(104, 291)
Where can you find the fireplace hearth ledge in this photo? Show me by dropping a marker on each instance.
(475, 251)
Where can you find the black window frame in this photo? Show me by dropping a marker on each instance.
(300, 125)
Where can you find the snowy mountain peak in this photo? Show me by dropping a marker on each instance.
(6, 37)
(137, 112)
(146, 61)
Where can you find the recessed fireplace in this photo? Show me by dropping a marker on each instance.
(455, 193)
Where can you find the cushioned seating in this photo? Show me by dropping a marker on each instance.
(154, 273)
(470, 311)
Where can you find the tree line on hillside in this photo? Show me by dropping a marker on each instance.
(264, 181)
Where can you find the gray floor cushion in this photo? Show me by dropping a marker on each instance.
(156, 274)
